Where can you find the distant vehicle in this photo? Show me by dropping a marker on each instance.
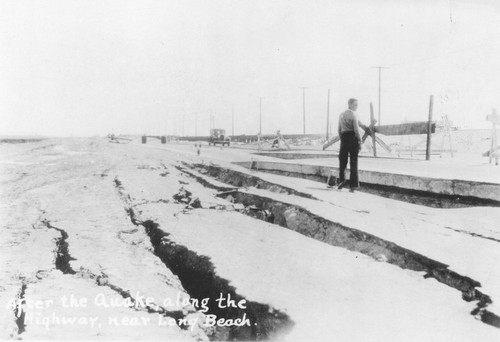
(218, 136)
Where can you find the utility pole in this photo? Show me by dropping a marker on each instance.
(212, 120)
(328, 114)
(429, 130)
(182, 123)
(232, 122)
(196, 124)
(304, 107)
(260, 115)
(379, 88)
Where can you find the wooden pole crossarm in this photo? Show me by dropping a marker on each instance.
(364, 127)
(383, 144)
(366, 135)
(369, 130)
(331, 142)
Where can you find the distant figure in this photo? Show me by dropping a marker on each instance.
(276, 141)
(350, 145)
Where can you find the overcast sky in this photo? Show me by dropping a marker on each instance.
(96, 67)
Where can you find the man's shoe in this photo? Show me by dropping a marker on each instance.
(342, 184)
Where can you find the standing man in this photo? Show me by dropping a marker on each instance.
(350, 145)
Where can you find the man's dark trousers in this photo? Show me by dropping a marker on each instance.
(349, 146)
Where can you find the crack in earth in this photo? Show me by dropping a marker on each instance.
(198, 277)
(304, 222)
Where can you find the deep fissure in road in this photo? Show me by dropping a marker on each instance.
(306, 223)
(19, 312)
(240, 179)
(198, 277)
(200, 280)
(63, 257)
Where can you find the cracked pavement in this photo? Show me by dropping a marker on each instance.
(77, 222)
